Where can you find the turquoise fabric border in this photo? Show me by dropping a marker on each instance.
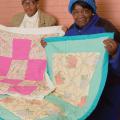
(64, 44)
(80, 37)
(102, 84)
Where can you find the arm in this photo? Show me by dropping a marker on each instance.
(47, 20)
(115, 62)
(112, 46)
(16, 20)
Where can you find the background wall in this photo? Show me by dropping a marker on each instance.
(106, 8)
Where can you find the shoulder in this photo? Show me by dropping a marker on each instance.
(70, 30)
(48, 19)
(17, 19)
(109, 27)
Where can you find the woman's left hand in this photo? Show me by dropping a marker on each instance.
(111, 46)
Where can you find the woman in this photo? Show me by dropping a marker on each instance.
(86, 21)
(32, 17)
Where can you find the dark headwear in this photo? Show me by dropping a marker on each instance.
(91, 3)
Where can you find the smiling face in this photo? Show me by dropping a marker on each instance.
(30, 6)
(81, 15)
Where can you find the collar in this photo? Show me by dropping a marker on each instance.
(34, 17)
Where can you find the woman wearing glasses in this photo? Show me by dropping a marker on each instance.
(32, 17)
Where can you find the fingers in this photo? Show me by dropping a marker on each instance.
(110, 43)
(64, 28)
(111, 46)
(43, 43)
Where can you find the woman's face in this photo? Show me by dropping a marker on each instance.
(81, 15)
(30, 7)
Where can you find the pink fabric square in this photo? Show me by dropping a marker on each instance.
(35, 70)
(4, 65)
(24, 90)
(21, 48)
(11, 82)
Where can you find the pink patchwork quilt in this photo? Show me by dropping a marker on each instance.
(23, 62)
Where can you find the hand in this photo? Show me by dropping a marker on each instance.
(111, 46)
(64, 28)
(43, 43)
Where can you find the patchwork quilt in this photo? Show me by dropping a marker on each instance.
(23, 78)
(78, 66)
(62, 83)
(23, 62)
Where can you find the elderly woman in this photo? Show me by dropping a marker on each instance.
(86, 21)
(32, 17)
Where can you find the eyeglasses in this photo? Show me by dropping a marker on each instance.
(30, 3)
(83, 11)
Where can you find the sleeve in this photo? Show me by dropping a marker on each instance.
(115, 62)
(109, 27)
(50, 20)
(16, 20)
(13, 22)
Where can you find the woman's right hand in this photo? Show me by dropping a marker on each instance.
(43, 43)
(64, 28)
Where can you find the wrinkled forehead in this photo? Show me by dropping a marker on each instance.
(28, 1)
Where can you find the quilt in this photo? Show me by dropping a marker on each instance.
(23, 62)
(64, 81)
(23, 78)
(78, 66)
